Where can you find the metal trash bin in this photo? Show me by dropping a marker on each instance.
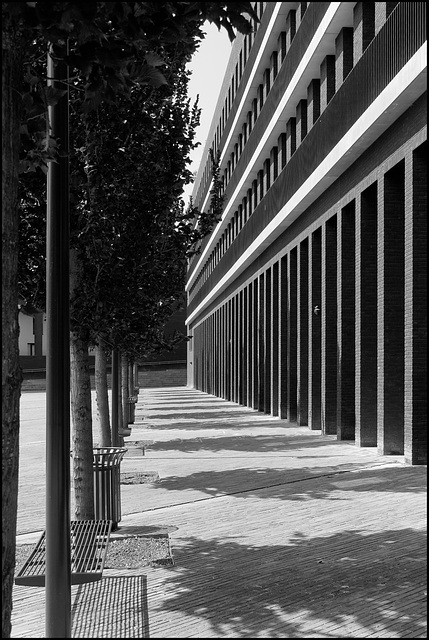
(132, 400)
(107, 483)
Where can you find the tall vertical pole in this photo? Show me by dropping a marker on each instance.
(58, 571)
(115, 397)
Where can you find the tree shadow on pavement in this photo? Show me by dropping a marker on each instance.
(305, 483)
(349, 584)
(249, 443)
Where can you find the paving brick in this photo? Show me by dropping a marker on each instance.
(276, 530)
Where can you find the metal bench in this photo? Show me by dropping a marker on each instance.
(89, 540)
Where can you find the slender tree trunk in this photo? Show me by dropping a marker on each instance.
(120, 403)
(125, 391)
(136, 376)
(83, 480)
(11, 372)
(81, 410)
(104, 433)
(131, 378)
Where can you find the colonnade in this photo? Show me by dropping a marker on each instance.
(330, 333)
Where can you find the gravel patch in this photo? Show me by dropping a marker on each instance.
(139, 477)
(124, 553)
(139, 551)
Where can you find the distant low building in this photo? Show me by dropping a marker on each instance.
(165, 367)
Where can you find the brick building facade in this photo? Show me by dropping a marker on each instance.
(308, 299)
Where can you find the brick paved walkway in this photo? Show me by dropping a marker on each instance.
(276, 531)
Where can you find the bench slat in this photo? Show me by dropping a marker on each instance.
(89, 541)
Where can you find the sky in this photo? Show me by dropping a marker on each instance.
(208, 67)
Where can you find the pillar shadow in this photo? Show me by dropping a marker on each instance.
(111, 608)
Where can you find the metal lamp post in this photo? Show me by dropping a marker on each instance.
(58, 570)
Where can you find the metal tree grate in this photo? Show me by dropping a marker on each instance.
(89, 540)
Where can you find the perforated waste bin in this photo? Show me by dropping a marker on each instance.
(107, 483)
(132, 400)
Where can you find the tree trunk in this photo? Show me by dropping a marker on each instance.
(11, 372)
(81, 409)
(83, 481)
(104, 433)
(120, 404)
(131, 384)
(136, 376)
(125, 391)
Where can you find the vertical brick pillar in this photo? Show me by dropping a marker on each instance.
(382, 12)
(212, 351)
(290, 28)
(195, 355)
(274, 164)
(275, 347)
(233, 348)
(281, 145)
(313, 102)
(390, 392)
(315, 330)
(228, 363)
(267, 343)
(208, 355)
(343, 56)
(281, 48)
(290, 138)
(366, 318)
(244, 342)
(203, 357)
(237, 348)
(274, 67)
(220, 352)
(415, 410)
(196, 358)
(291, 410)
(216, 353)
(301, 121)
(283, 337)
(261, 344)
(363, 27)
(250, 345)
(327, 81)
(346, 323)
(302, 335)
(329, 327)
(225, 349)
(255, 347)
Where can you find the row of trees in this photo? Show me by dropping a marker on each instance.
(133, 128)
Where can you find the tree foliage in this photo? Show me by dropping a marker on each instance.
(111, 48)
